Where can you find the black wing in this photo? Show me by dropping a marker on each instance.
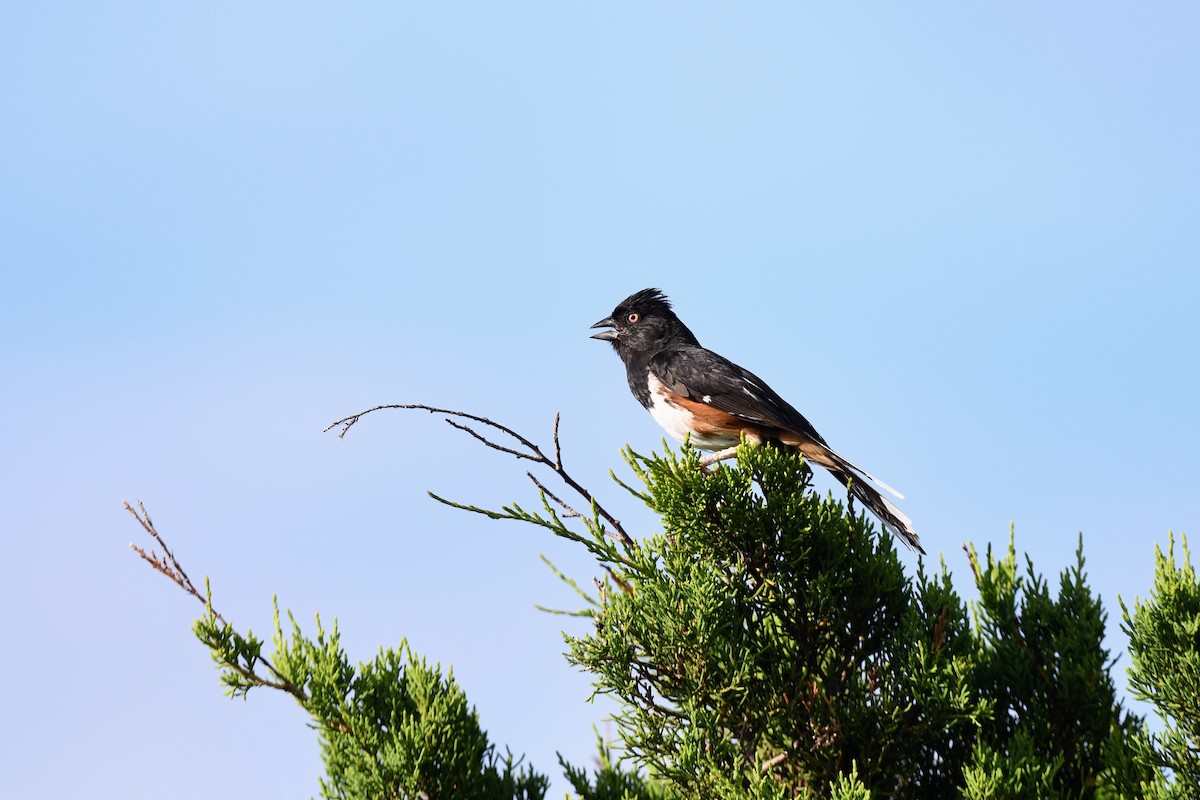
(705, 377)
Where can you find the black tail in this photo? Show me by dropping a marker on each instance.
(891, 516)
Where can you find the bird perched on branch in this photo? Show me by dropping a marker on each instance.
(696, 394)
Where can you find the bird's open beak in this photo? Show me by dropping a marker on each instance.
(609, 335)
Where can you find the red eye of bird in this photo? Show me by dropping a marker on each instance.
(634, 317)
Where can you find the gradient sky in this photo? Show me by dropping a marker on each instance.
(962, 238)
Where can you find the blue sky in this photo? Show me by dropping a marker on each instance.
(963, 240)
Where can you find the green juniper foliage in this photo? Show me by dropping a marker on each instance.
(766, 643)
(611, 781)
(1164, 646)
(1040, 664)
(769, 633)
(393, 727)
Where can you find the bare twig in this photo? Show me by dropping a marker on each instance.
(971, 560)
(557, 448)
(166, 563)
(625, 585)
(169, 566)
(531, 453)
(570, 512)
(489, 443)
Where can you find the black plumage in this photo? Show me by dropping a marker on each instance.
(696, 393)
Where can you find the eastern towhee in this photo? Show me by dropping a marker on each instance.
(693, 392)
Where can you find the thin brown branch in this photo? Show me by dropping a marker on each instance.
(601, 590)
(570, 512)
(645, 681)
(557, 446)
(490, 443)
(168, 565)
(625, 585)
(971, 560)
(347, 422)
(534, 453)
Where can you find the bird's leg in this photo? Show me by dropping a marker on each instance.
(720, 455)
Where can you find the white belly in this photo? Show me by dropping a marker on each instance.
(677, 421)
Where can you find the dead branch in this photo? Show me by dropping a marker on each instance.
(625, 585)
(568, 511)
(972, 561)
(531, 452)
(168, 565)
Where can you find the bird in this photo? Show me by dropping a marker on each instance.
(699, 396)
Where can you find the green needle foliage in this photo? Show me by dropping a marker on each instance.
(1164, 645)
(393, 727)
(767, 643)
(1041, 666)
(771, 639)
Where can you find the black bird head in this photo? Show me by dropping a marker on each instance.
(643, 323)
